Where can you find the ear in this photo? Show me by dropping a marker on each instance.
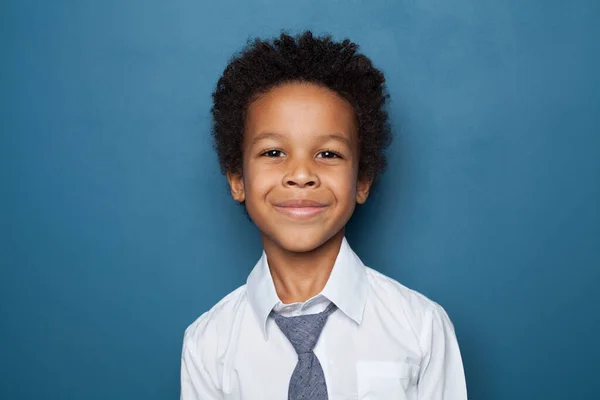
(362, 189)
(236, 183)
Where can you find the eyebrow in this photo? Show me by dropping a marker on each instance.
(335, 136)
(276, 136)
(267, 135)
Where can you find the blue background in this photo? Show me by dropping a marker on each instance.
(118, 230)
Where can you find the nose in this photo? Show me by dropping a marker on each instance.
(301, 175)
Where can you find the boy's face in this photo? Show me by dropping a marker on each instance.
(300, 167)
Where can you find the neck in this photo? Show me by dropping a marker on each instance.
(299, 276)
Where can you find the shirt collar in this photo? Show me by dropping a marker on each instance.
(346, 287)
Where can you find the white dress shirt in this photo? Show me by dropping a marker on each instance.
(384, 342)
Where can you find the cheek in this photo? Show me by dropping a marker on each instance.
(259, 179)
(343, 184)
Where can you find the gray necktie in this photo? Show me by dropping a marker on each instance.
(307, 381)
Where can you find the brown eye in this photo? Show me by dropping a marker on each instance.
(328, 154)
(273, 153)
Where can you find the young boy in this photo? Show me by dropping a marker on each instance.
(300, 128)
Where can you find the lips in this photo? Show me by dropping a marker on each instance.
(300, 208)
(299, 203)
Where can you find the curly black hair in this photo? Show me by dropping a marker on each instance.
(265, 64)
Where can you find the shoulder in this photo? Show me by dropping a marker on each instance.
(215, 323)
(396, 293)
(204, 345)
(417, 309)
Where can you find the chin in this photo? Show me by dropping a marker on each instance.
(303, 244)
(300, 241)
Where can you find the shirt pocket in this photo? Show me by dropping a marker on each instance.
(379, 380)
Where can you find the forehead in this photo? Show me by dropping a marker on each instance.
(301, 109)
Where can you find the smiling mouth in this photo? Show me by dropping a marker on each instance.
(300, 208)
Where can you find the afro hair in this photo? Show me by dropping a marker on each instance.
(338, 66)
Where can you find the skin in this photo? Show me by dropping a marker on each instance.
(300, 182)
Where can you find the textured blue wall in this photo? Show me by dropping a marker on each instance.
(117, 229)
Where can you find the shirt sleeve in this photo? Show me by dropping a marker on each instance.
(442, 375)
(196, 382)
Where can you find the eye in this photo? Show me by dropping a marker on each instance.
(328, 154)
(273, 153)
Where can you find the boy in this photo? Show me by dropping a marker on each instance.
(300, 129)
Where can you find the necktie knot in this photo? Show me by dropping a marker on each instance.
(303, 331)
